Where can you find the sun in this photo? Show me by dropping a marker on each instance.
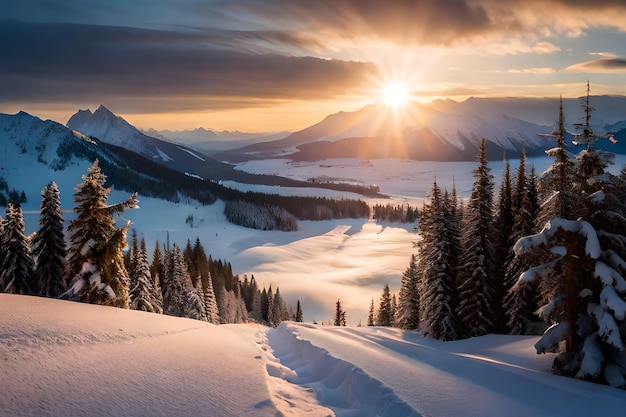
(396, 95)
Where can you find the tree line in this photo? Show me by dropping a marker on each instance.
(547, 257)
(92, 267)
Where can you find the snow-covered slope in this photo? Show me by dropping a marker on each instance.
(34, 152)
(61, 358)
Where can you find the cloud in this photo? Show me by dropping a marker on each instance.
(600, 66)
(542, 70)
(50, 62)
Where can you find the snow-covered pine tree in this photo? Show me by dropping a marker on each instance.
(298, 316)
(16, 271)
(371, 314)
(212, 312)
(142, 294)
(155, 286)
(407, 312)
(130, 258)
(384, 308)
(94, 238)
(476, 291)
(520, 300)
(173, 282)
(194, 307)
(581, 275)
(48, 245)
(438, 272)
(232, 308)
(556, 193)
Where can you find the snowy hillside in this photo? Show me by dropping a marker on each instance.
(62, 358)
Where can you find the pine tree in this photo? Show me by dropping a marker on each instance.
(503, 242)
(298, 317)
(438, 271)
(173, 282)
(156, 266)
(95, 239)
(407, 312)
(142, 294)
(579, 266)
(340, 315)
(476, 293)
(520, 300)
(384, 309)
(16, 272)
(212, 312)
(371, 314)
(195, 306)
(271, 320)
(559, 200)
(48, 245)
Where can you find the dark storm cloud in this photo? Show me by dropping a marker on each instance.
(65, 61)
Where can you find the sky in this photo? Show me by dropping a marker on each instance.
(272, 65)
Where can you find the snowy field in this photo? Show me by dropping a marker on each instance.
(61, 358)
(350, 260)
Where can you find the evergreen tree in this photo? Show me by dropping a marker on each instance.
(478, 289)
(520, 301)
(371, 314)
(559, 200)
(340, 315)
(263, 306)
(384, 310)
(195, 306)
(407, 312)
(16, 272)
(48, 245)
(579, 266)
(173, 282)
(142, 294)
(438, 273)
(271, 320)
(503, 242)
(279, 309)
(298, 317)
(210, 301)
(94, 238)
(156, 266)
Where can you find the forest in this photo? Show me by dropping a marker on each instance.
(545, 255)
(95, 268)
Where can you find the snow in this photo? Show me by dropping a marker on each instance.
(62, 358)
(191, 153)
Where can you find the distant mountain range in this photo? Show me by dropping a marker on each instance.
(443, 130)
(34, 151)
(210, 141)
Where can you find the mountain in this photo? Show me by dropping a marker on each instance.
(443, 130)
(114, 130)
(34, 152)
(210, 141)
